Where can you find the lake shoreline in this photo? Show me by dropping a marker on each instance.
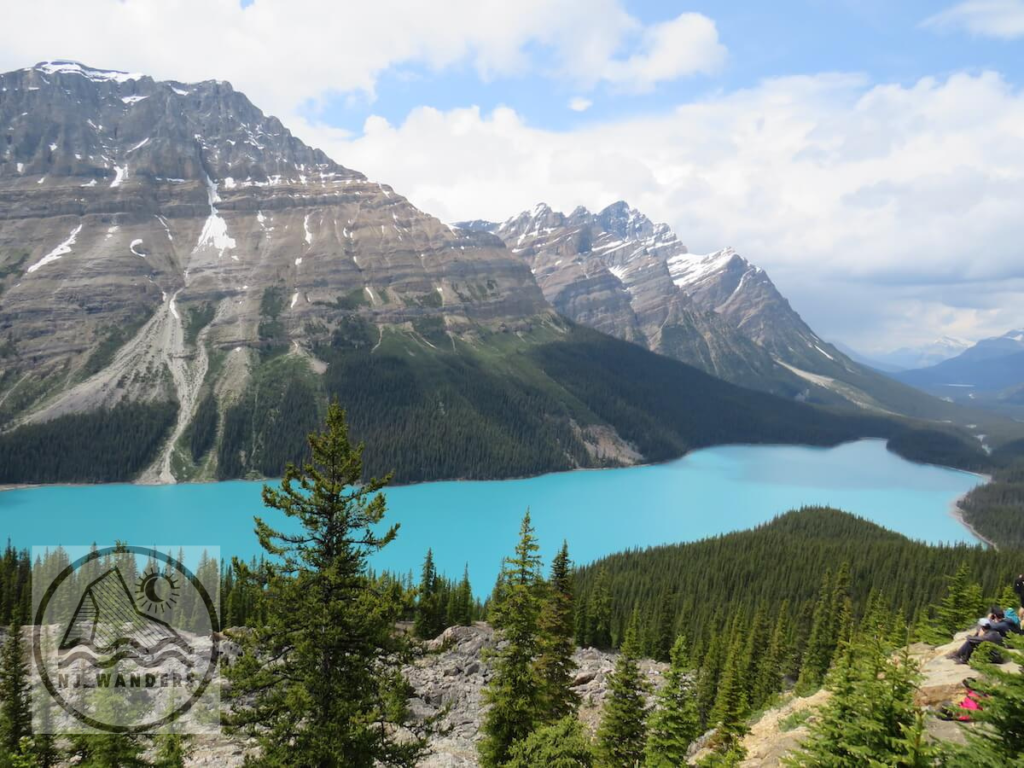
(958, 513)
(556, 472)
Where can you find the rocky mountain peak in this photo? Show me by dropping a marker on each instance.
(619, 219)
(64, 119)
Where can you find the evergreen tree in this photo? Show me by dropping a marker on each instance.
(871, 718)
(429, 622)
(711, 669)
(514, 691)
(776, 662)
(622, 734)
(15, 708)
(111, 749)
(555, 666)
(599, 629)
(961, 606)
(832, 619)
(464, 606)
(559, 745)
(731, 705)
(664, 635)
(675, 723)
(317, 681)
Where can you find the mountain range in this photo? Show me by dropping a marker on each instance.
(183, 284)
(989, 372)
(620, 273)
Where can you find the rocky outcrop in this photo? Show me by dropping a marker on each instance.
(449, 682)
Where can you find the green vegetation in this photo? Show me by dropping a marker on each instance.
(940, 447)
(197, 318)
(996, 509)
(675, 722)
(111, 340)
(780, 567)
(871, 718)
(203, 427)
(336, 692)
(622, 735)
(97, 447)
(267, 427)
(271, 329)
(514, 691)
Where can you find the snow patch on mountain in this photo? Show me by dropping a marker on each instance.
(61, 250)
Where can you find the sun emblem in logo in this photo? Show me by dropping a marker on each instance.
(156, 592)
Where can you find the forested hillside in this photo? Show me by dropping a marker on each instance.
(777, 570)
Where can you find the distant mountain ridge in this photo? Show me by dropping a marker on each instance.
(619, 272)
(990, 367)
(924, 355)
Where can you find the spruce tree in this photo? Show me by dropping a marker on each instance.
(731, 704)
(776, 662)
(833, 618)
(675, 722)
(463, 613)
(429, 621)
(555, 666)
(622, 735)
(961, 606)
(871, 718)
(317, 681)
(15, 707)
(599, 631)
(514, 691)
(560, 745)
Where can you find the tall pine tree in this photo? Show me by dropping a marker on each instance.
(316, 683)
(15, 708)
(675, 722)
(622, 735)
(555, 666)
(514, 691)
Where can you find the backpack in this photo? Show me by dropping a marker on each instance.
(1011, 616)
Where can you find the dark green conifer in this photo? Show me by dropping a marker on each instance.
(622, 735)
(327, 698)
(514, 691)
(675, 722)
(555, 666)
(562, 744)
(15, 707)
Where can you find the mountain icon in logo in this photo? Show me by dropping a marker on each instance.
(108, 627)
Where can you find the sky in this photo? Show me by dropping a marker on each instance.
(869, 154)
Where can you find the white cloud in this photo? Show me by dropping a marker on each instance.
(905, 199)
(285, 53)
(580, 104)
(987, 18)
(686, 45)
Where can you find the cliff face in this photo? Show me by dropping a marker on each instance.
(146, 225)
(610, 270)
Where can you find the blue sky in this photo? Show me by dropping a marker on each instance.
(883, 39)
(866, 153)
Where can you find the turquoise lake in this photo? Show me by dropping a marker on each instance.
(599, 512)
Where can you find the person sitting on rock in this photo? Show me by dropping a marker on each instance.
(998, 620)
(986, 634)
